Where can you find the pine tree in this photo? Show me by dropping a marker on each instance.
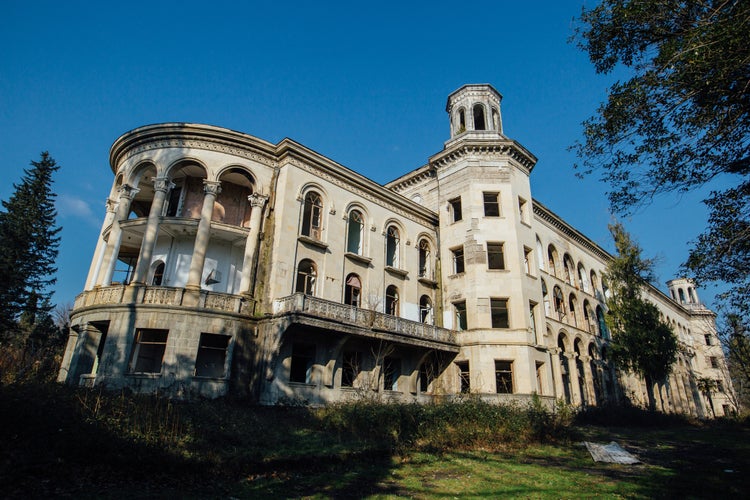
(29, 239)
(642, 342)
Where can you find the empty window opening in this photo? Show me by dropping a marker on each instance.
(306, 274)
(455, 206)
(499, 313)
(479, 123)
(491, 204)
(353, 290)
(352, 365)
(458, 260)
(212, 355)
(464, 377)
(391, 373)
(460, 311)
(424, 259)
(158, 274)
(303, 357)
(174, 203)
(461, 121)
(523, 208)
(355, 232)
(425, 309)
(392, 247)
(312, 215)
(391, 301)
(504, 377)
(495, 256)
(148, 351)
(559, 302)
(527, 260)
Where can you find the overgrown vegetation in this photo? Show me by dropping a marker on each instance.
(57, 441)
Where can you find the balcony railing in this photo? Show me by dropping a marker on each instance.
(364, 318)
(162, 295)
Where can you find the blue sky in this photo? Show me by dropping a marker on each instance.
(362, 83)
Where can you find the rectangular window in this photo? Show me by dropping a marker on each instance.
(391, 373)
(303, 357)
(523, 210)
(351, 368)
(464, 377)
(540, 377)
(458, 260)
(212, 355)
(708, 339)
(499, 312)
(528, 257)
(714, 362)
(460, 308)
(495, 256)
(504, 377)
(456, 209)
(491, 204)
(719, 385)
(148, 351)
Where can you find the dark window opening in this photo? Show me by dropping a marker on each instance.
(499, 312)
(504, 377)
(212, 355)
(495, 256)
(148, 351)
(303, 356)
(491, 204)
(455, 204)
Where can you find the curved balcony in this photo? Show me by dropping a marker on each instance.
(176, 227)
(163, 295)
(343, 317)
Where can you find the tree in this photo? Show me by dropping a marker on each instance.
(681, 120)
(28, 249)
(735, 338)
(641, 341)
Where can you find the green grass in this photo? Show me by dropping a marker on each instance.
(55, 441)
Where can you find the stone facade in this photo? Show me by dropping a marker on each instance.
(227, 263)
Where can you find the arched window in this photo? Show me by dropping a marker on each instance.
(596, 373)
(540, 254)
(312, 215)
(479, 123)
(589, 317)
(581, 374)
(424, 259)
(495, 119)
(552, 260)
(583, 278)
(605, 289)
(545, 298)
(306, 274)
(564, 367)
(391, 300)
(392, 247)
(355, 232)
(568, 270)
(572, 303)
(559, 302)
(425, 310)
(352, 290)
(158, 274)
(603, 332)
(691, 295)
(681, 293)
(594, 283)
(461, 121)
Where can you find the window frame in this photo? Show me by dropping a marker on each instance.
(459, 263)
(206, 351)
(136, 359)
(491, 203)
(310, 278)
(504, 373)
(495, 253)
(456, 209)
(309, 212)
(460, 316)
(497, 306)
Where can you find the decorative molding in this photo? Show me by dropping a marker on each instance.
(212, 187)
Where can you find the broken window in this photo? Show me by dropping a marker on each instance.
(148, 351)
(458, 260)
(460, 308)
(312, 215)
(303, 357)
(491, 204)
(504, 377)
(464, 377)
(212, 355)
(499, 312)
(495, 256)
(455, 204)
(351, 367)
(306, 274)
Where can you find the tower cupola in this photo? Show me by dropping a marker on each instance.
(474, 112)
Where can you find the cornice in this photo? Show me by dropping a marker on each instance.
(327, 169)
(490, 148)
(552, 219)
(417, 176)
(194, 136)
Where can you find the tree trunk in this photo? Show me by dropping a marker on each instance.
(650, 393)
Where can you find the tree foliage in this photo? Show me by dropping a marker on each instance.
(641, 341)
(681, 120)
(28, 248)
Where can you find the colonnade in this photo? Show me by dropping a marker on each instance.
(107, 252)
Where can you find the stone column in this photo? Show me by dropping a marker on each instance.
(557, 381)
(257, 202)
(162, 186)
(212, 190)
(588, 379)
(101, 245)
(109, 260)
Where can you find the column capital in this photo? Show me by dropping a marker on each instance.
(554, 350)
(257, 200)
(110, 205)
(162, 184)
(127, 191)
(212, 187)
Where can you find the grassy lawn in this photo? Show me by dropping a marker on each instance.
(55, 442)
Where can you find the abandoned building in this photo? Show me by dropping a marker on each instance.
(227, 263)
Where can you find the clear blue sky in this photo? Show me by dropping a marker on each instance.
(364, 83)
